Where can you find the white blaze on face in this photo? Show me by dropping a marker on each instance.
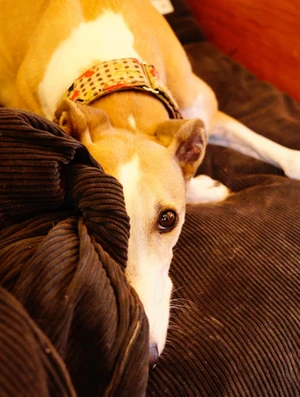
(148, 256)
(107, 37)
(129, 175)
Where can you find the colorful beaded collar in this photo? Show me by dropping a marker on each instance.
(118, 75)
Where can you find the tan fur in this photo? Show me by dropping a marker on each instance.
(25, 55)
(164, 165)
(92, 126)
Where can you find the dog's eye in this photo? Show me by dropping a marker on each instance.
(166, 221)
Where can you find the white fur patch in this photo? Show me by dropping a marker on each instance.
(203, 189)
(129, 177)
(107, 37)
(131, 121)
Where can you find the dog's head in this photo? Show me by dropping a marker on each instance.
(154, 175)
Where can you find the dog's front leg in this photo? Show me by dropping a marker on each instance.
(229, 132)
(226, 131)
(203, 189)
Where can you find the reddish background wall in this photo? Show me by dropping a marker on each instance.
(263, 35)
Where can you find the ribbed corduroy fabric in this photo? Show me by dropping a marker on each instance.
(30, 365)
(235, 324)
(63, 248)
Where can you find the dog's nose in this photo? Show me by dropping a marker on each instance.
(153, 355)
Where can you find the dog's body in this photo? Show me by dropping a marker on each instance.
(45, 46)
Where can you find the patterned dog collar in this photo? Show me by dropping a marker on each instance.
(121, 74)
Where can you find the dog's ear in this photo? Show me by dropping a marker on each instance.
(84, 123)
(187, 140)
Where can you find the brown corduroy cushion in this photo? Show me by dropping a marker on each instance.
(63, 227)
(30, 365)
(235, 326)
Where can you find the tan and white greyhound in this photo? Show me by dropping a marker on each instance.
(111, 72)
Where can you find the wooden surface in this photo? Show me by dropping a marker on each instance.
(263, 35)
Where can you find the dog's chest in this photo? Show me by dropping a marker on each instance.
(107, 37)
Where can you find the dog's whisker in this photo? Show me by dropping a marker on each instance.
(183, 304)
(177, 289)
(171, 342)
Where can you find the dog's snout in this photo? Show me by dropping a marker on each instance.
(153, 355)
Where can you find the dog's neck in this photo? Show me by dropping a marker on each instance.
(126, 110)
(124, 88)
